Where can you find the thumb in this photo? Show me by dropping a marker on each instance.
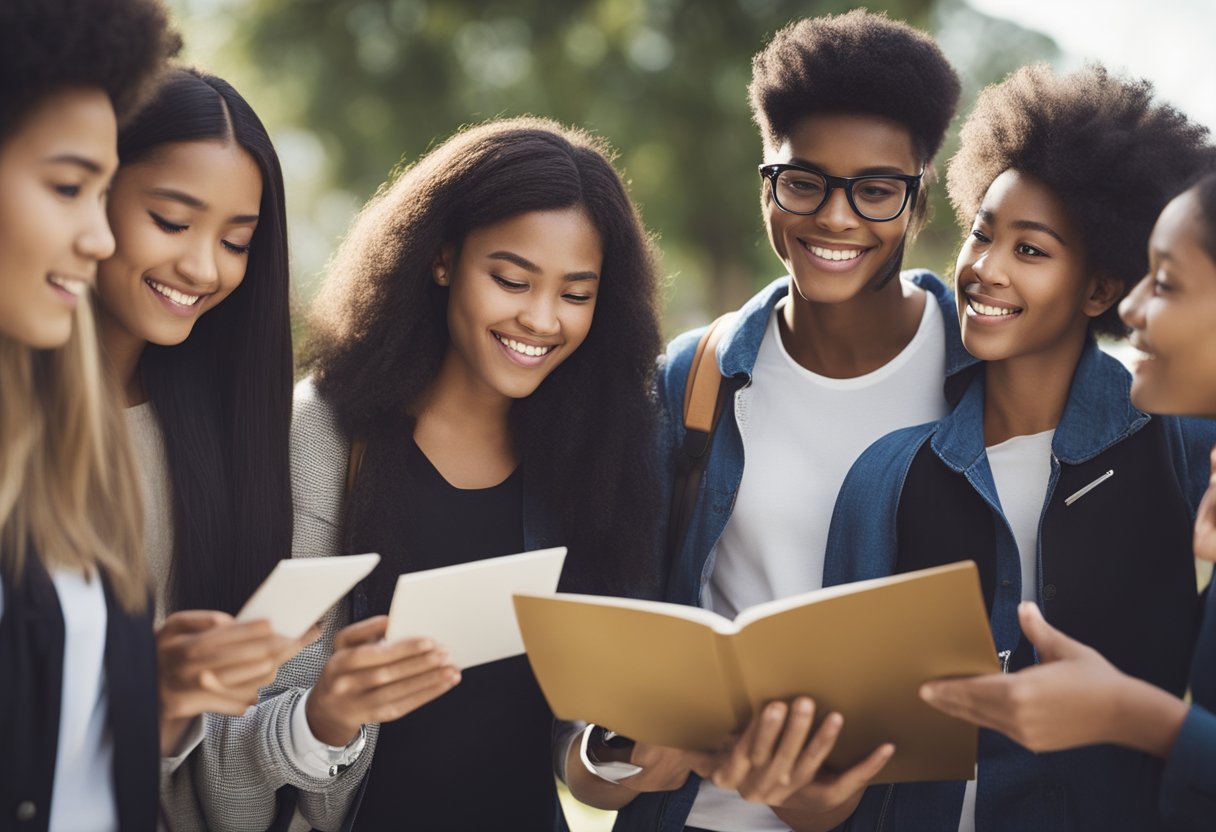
(1050, 642)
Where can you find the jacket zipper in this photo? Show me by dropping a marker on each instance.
(886, 804)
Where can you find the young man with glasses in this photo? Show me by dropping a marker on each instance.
(821, 363)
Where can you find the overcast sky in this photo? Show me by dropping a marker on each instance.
(1170, 42)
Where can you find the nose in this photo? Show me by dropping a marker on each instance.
(836, 214)
(538, 314)
(197, 263)
(1131, 308)
(987, 268)
(95, 241)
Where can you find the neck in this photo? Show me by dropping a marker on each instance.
(123, 351)
(1027, 394)
(851, 339)
(462, 426)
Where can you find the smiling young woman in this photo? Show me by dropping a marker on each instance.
(487, 332)
(78, 702)
(1046, 473)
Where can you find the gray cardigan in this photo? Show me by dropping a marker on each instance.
(230, 779)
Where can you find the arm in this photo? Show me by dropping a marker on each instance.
(663, 769)
(1073, 698)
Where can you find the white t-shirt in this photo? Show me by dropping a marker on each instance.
(1021, 467)
(82, 795)
(802, 432)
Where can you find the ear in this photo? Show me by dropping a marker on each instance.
(444, 265)
(1104, 292)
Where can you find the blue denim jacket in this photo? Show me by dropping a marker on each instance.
(691, 569)
(1017, 789)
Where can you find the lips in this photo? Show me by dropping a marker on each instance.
(986, 307)
(834, 258)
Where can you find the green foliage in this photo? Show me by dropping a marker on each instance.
(665, 81)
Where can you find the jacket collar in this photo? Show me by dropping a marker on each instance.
(738, 349)
(1099, 413)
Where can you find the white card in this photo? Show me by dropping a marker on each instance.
(468, 608)
(298, 591)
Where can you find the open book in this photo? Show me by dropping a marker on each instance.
(685, 677)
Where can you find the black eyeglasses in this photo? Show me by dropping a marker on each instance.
(881, 198)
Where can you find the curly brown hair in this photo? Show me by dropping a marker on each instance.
(587, 434)
(1112, 155)
(46, 45)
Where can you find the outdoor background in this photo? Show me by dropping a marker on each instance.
(352, 89)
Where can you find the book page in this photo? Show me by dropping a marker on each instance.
(466, 608)
(633, 667)
(866, 652)
(298, 591)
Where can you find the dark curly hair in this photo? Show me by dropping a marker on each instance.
(47, 45)
(1205, 193)
(858, 62)
(586, 435)
(1111, 155)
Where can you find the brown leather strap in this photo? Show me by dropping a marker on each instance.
(701, 401)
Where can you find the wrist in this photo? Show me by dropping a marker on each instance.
(1147, 718)
(333, 732)
(172, 729)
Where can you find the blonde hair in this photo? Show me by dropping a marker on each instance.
(68, 486)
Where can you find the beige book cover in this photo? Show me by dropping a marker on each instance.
(686, 677)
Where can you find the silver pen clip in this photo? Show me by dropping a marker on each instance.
(1004, 656)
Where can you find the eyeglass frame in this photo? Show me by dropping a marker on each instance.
(831, 183)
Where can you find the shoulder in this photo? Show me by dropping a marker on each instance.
(319, 448)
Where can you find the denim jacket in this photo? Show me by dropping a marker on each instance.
(1106, 535)
(690, 570)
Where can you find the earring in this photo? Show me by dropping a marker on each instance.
(441, 277)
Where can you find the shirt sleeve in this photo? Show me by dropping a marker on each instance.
(1188, 786)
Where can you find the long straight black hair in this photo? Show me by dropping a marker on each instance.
(223, 396)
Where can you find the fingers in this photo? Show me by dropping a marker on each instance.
(359, 679)
(817, 751)
(361, 632)
(860, 775)
(982, 700)
(793, 741)
(393, 701)
(1050, 642)
(192, 621)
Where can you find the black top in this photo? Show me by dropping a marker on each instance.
(31, 667)
(477, 757)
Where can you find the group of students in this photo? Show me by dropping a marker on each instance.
(481, 381)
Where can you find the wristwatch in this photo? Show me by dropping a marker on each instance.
(606, 754)
(346, 755)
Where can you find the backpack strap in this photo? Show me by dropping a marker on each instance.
(704, 400)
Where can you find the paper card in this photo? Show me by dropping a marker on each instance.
(298, 591)
(468, 608)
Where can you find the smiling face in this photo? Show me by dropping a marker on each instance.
(522, 295)
(1023, 285)
(1172, 313)
(54, 173)
(834, 254)
(184, 218)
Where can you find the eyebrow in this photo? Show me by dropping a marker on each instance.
(529, 266)
(73, 159)
(196, 203)
(876, 170)
(1025, 225)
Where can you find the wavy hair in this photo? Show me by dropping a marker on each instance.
(223, 396)
(587, 433)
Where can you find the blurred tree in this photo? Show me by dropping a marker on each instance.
(665, 81)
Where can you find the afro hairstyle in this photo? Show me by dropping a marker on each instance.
(1111, 155)
(857, 62)
(47, 45)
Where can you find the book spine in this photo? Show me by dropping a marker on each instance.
(732, 680)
